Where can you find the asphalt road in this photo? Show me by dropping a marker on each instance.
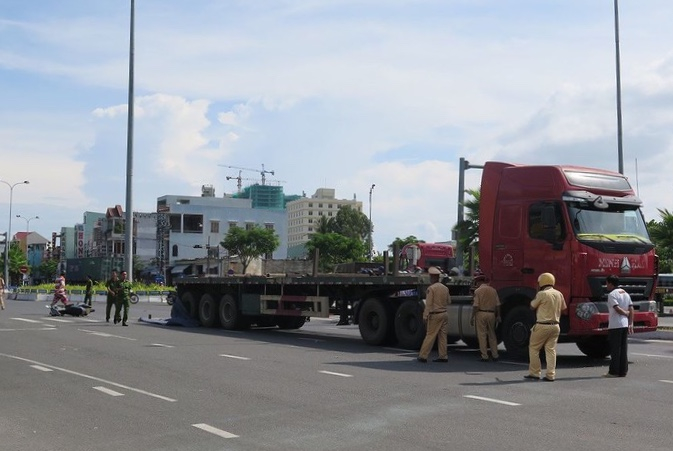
(82, 384)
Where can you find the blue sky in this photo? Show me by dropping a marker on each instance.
(335, 93)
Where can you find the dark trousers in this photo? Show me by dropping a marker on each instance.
(619, 361)
(87, 298)
(108, 306)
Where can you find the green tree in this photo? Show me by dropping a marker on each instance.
(47, 269)
(17, 259)
(335, 248)
(662, 236)
(350, 223)
(468, 228)
(401, 242)
(251, 243)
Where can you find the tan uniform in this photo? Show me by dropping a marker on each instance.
(486, 305)
(437, 320)
(548, 304)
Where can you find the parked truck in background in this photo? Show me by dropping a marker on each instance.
(580, 224)
(417, 257)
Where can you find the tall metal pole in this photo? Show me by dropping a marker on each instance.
(620, 154)
(463, 165)
(371, 244)
(128, 230)
(8, 238)
(27, 221)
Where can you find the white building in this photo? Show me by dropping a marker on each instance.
(191, 227)
(303, 215)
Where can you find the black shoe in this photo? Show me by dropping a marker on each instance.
(422, 360)
(483, 360)
(441, 360)
(107, 320)
(546, 379)
(530, 376)
(495, 359)
(124, 324)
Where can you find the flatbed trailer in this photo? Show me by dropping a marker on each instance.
(387, 308)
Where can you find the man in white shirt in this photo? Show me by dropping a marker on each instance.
(620, 325)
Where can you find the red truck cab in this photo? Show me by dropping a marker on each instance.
(581, 225)
(418, 257)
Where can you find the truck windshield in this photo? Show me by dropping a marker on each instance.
(615, 223)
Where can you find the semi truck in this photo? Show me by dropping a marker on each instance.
(581, 224)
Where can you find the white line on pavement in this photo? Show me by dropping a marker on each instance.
(104, 334)
(336, 374)
(213, 430)
(89, 320)
(93, 378)
(41, 368)
(665, 381)
(34, 321)
(159, 345)
(234, 357)
(107, 391)
(640, 340)
(498, 401)
(654, 355)
(39, 328)
(59, 320)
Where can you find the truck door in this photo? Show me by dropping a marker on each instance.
(545, 246)
(507, 244)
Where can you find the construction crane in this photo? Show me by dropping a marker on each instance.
(240, 179)
(263, 172)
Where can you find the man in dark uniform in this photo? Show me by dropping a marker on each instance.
(88, 290)
(485, 316)
(112, 286)
(123, 300)
(548, 305)
(436, 318)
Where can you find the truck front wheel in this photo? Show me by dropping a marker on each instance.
(516, 331)
(374, 322)
(595, 347)
(208, 314)
(409, 325)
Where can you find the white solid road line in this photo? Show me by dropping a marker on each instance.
(49, 327)
(653, 355)
(214, 430)
(59, 320)
(336, 374)
(234, 357)
(159, 345)
(105, 334)
(665, 381)
(498, 401)
(107, 391)
(41, 368)
(93, 378)
(34, 321)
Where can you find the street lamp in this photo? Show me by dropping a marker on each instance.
(27, 221)
(371, 245)
(8, 239)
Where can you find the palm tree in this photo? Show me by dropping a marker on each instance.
(662, 235)
(468, 228)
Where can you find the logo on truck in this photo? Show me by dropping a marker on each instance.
(624, 264)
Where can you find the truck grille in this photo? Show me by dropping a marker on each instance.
(639, 288)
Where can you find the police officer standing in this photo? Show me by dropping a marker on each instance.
(88, 290)
(486, 314)
(548, 305)
(123, 300)
(436, 318)
(112, 286)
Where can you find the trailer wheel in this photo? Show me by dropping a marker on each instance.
(190, 304)
(409, 325)
(374, 322)
(516, 331)
(230, 317)
(290, 322)
(596, 347)
(208, 314)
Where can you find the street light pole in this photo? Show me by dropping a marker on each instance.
(620, 151)
(371, 244)
(27, 221)
(8, 239)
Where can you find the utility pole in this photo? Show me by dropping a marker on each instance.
(371, 244)
(463, 166)
(128, 230)
(620, 151)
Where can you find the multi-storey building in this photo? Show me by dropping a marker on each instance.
(304, 213)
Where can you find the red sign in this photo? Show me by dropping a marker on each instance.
(23, 269)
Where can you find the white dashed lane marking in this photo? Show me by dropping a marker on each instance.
(159, 345)
(497, 401)
(654, 355)
(666, 382)
(214, 430)
(33, 321)
(59, 320)
(234, 357)
(41, 368)
(107, 391)
(104, 334)
(335, 374)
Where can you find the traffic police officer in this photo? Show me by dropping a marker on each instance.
(548, 305)
(486, 314)
(123, 300)
(112, 286)
(436, 318)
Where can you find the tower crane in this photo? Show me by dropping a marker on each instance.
(263, 172)
(239, 179)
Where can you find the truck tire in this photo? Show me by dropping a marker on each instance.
(409, 325)
(230, 316)
(190, 304)
(596, 347)
(516, 331)
(374, 322)
(290, 322)
(208, 313)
